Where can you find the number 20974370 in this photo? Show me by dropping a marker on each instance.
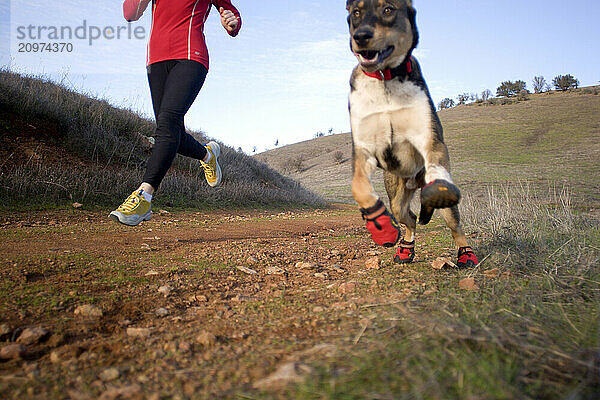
(45, 47)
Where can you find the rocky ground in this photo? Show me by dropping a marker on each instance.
(188, 305)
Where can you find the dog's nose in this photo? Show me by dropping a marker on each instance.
(362, 36)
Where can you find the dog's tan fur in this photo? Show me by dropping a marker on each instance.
(394, 124)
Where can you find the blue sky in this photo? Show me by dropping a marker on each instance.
(285, 77)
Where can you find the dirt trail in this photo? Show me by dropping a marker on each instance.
(235, 302)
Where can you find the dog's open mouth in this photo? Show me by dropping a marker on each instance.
(369, 58)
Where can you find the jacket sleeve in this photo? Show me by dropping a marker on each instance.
(133, 9)
(226, 4)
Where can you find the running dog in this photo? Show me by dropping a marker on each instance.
(395, 127)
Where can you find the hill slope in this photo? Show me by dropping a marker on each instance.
(59, 146)
(553, 139)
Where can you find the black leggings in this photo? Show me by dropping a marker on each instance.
(174, 85)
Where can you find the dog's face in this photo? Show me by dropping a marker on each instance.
(382, 32)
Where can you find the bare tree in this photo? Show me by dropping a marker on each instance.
(539, 83)
(486, 94)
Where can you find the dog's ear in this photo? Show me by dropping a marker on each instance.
(412, 18)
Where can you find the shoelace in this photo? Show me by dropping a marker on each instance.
(131, 203)
(209, 170)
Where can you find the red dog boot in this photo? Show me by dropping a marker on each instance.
(466, 258)
(405, 253)
(382, 225)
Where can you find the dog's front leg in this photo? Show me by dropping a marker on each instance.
(439, 191)
(382, 225)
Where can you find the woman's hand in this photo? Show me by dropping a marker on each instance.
(228, 20)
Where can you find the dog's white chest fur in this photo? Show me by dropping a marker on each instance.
(390, 115)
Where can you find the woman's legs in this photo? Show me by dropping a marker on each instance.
(174, 86)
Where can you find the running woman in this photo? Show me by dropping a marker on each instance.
(177, 65)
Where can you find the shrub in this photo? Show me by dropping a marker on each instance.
(294, 164)
(338, 157)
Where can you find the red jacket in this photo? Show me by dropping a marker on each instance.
(177, 27)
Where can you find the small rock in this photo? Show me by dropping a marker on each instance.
(274, 271)
(88, 311)
(251, 260)
(32, 335)
(110, 374)
(146, 246)
(141, 333)
(151, 273)
(320, 275)
(163, 212)
(443, 262)
(318, 309)
(12, 351)
(293, 372)
(305, 265)
(5, 330)
(373, 263)
(200, 298)
(161, 312)
(347, 287)
(185, 347)
(337, 268)
(125, 392)
(246, 270)
(77, 205)
(468, 284)
(492, 273)
(206, 339)
(165, 290)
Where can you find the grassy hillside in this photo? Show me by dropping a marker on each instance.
(59, 146)
(551, 140)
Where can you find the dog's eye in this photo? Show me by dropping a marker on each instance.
(388, 11)
(356, 13)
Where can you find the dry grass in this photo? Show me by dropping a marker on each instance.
(550, 140)
(110, 142)
(533, 332)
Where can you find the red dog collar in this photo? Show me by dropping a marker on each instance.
(388, 74)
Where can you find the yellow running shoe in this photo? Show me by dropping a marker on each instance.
(212, 169)
(134, 210)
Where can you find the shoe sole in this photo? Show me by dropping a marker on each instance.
(129, 220)
(438, 194)
(398, 260)
(216, 149)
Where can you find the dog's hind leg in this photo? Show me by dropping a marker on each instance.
(452, 218)
(466, 256)
(382, 225)
(400, 197)
(401, 193)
